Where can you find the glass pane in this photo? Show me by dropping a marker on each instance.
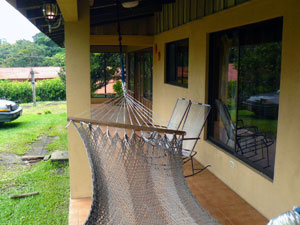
(244, 87)
(148, 75)
(131, 71)
(185, 66)
(179, 65)
(259, 89)
(225, 99)
(177, 62)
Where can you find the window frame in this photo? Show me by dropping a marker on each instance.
(212, 80)
(167, 79)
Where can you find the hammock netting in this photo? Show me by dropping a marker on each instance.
(136, 164)
(136, 167)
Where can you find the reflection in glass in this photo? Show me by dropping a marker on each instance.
(131, 71)
(177, 57)
(148, 75)
(244, 88)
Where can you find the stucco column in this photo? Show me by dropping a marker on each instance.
(77, 43)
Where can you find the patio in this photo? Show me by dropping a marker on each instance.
(217, 198)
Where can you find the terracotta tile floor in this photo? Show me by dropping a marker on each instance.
(221, 202)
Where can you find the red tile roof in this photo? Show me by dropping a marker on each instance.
(23, 73)
(232, 72)
(109, 88)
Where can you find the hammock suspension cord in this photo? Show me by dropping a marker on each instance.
(120, 45)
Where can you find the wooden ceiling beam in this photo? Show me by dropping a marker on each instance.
(131, 40)
(102, 16)
(109, 3)
(34, 13)
(29, 4)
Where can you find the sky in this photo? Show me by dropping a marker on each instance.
(13, 25)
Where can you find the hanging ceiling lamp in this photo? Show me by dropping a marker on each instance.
(50, 10)
(130, 4)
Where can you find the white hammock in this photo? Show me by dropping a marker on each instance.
(136, 168)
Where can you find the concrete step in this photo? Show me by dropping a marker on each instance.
(60, 156)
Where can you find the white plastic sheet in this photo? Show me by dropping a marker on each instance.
(289, 218)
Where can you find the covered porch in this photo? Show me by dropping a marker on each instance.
(209, 38)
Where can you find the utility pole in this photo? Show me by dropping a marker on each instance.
(105, 74)
(33, 87)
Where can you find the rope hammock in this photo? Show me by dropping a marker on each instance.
(136, 165)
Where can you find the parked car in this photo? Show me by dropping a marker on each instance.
(9, 111)
(264, 105)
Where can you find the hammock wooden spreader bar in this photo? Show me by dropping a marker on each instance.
(126, 126)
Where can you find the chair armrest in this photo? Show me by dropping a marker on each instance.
(253, 129)
(189, 139)
(153, 125)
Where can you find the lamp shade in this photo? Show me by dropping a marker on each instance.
(50, 11)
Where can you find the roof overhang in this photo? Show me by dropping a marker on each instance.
(101, 12)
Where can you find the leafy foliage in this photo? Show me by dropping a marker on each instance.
(263, 61)
(51, 90)
(46, 90)
(104, 66)
(118, 88)
(41, 52)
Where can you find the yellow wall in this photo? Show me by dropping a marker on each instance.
(269, 197)
(77, 42)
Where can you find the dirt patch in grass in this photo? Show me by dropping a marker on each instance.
(39, 148)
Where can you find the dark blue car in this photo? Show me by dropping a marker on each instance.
(264, 105)
(9, 111)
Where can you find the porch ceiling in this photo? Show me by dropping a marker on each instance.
(101, 12)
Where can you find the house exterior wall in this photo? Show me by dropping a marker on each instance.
(270, 197)
(77, 42)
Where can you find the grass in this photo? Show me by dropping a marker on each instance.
(267, 126)
(51, 180)
(47, 118)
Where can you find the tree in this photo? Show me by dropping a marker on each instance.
(259, 69)
(26, 53)
(103, 68)
(49, 46)
(57, 60)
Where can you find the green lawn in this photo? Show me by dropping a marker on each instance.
(267, 126)
(49, 207)
(47, 118)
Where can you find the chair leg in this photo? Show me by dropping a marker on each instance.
(192, 161)
(268, 159)
(195, 171)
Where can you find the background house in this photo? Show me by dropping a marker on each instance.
(23, 73)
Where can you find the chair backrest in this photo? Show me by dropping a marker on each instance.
(180, 109)
(226, 119)
(194, 124)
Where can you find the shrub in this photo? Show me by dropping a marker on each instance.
(46, 90)
(118, 88)
(51, 90)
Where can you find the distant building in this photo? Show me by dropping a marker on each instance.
(23, 73)
(232, 72)
(109, 88)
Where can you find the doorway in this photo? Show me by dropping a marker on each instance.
(139, 76)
